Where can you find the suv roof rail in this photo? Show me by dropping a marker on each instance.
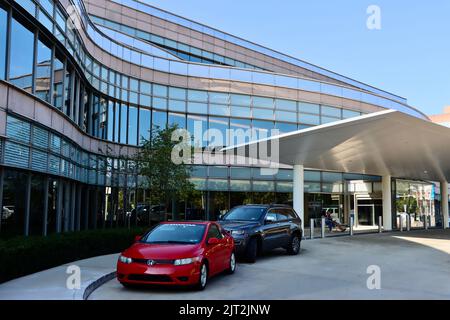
(270, 205)
(279, 205)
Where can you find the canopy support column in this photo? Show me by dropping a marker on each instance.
(387, 202)
(444, 203)
(298, 192)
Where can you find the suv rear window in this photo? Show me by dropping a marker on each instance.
(284, 214)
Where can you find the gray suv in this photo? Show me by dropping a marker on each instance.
(257, 228)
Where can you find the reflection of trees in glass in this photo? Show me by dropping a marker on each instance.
(218, 204)
(284, 198)
(410, 202)
(415, 195)
(264, 197)
(239, 198)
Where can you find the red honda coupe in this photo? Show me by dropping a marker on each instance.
(178, 253)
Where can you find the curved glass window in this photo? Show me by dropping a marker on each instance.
(132, 125)
(3, 38)
(123, 123)
(110, 121)
(43, 70)
(159, 120)
(177, 119)
(144, 125)
(21, 56)
(58, 81)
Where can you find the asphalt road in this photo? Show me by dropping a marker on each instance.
(413, 265)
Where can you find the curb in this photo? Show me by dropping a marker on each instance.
(96, 284)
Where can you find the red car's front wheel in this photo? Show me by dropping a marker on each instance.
(203, 277)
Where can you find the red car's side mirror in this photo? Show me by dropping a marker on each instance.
(137, 238)
(213, 241)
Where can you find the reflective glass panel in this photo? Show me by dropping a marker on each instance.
(197, 126)
(195, 95)
(263, 128)
(240, 131)
(132, 125)
(58, 80)
(116, 121)
(111, 121)
(3, 33)
(21, 57)
(240, 100)
(217, 132)
(309, 107)
(350, 113)
(43, 71)
(160, 91)
(68, 91)
(286, 104)
(123, 123)
(144, 125)
(177, 93)
(330, 111)
(219, 109)
(177, 119)
(216, 97)
(263, 102)
(159, 119)
(285, 127)
(309, 119)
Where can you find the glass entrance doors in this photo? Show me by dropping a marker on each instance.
(369, 211)
(415, 201)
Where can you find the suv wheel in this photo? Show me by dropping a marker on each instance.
(252, 250)
(232, 264)
(293, 247)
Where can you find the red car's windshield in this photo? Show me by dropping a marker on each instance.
(174, 233)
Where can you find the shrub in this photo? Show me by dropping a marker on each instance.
(25, 255)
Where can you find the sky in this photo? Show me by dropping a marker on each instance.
(409, 56)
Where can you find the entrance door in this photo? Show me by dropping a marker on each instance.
(366, 214)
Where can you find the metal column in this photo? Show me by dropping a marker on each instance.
(27, 204)
(46, 186)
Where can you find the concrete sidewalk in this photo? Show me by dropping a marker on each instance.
(51, 284)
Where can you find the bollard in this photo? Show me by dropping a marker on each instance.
(425, 221)
(380, 224)
(408, 222)
(401, 223)
(312, 228)
(351, 226)
(323, 227)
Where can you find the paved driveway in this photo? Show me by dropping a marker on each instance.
(414, 265)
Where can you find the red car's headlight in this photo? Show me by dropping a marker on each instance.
(182, 262)
(124, 259)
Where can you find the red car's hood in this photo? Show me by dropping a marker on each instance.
(162, 251)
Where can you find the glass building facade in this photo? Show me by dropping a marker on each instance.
(66, 61)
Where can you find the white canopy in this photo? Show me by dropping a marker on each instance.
(382, 143)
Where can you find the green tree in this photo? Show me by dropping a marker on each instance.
(168, 180)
